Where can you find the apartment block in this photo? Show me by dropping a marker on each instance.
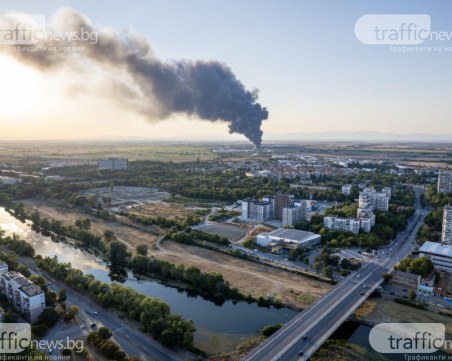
(292, 215)
(254, 210)
(446, 234)
(346, 189)
(23, 295)
(445, 181)
(341, 224)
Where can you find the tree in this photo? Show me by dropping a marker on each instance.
(62, 295)
(292, 255)
(109, 235)
(327, 271)
(142, 249)
(104, 332)
(411, 295)
(118, 254)
(49, 316)
(45, 225)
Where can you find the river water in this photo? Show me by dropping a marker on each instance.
(235, 320)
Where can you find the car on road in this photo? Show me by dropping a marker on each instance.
(392, 293)
(95, 313)
(300, 353)
(358, 276)
(362, 293)
(305, 337)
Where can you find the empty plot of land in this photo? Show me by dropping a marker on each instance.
(123, 195)
(129, 235)
(230, 231)
(249, 277)
(163, 209)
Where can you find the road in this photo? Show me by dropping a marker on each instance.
(132, 341)
(303, 335)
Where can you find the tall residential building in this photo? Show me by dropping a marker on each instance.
(292, 215)
(281, 201)
(254, 210)
(23, 295)
(446, 234)
(272, 201)
(445, 181)
(113, 164)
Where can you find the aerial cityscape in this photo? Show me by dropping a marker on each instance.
(225, 181)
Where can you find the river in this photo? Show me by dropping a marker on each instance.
(224, 325)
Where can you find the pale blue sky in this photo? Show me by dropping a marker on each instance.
(312, 72)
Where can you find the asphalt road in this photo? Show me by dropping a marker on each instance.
(131, 340)
(303, 335)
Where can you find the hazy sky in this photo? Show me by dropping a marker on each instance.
(311, 71)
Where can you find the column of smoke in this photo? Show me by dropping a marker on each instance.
(202, 89)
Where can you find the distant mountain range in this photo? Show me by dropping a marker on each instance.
(364, 136)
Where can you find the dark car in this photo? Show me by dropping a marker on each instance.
(300, 353)
(305, 337)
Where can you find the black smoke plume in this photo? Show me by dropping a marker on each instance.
(207, 90)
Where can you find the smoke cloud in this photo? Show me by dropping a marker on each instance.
(208, 90)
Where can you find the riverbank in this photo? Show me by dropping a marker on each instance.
(250, 278)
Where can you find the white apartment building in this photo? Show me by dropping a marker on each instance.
(446, 234)
(292, 215)
(341, 224)
(445, 181)
(367, 222)
(254, 210)
(23, 294)
(346, 189)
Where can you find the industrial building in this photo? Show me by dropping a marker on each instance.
(9, 180)
(445, 181)
(113, 164)
(287, 239)
(22, 294)
(446, 234)
(440, 255)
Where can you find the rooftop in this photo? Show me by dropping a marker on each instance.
(406, 275)
(292, 234)
(436, 248)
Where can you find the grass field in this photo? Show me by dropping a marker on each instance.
(54, 151)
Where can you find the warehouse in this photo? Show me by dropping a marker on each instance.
(288, 239)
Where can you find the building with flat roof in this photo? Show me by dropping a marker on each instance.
(113, 164)
(405, 280)
(254, 210)
(346, 189)
(446, 233)
(445, 181)
(341, 224)
(281, 201)
(23, 295)
(288, 239)
(440, 255)
(293, 214)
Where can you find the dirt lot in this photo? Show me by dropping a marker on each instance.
(230, 231)
(378, 310)
(129, 235)
(249, 277)
(163, 209)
